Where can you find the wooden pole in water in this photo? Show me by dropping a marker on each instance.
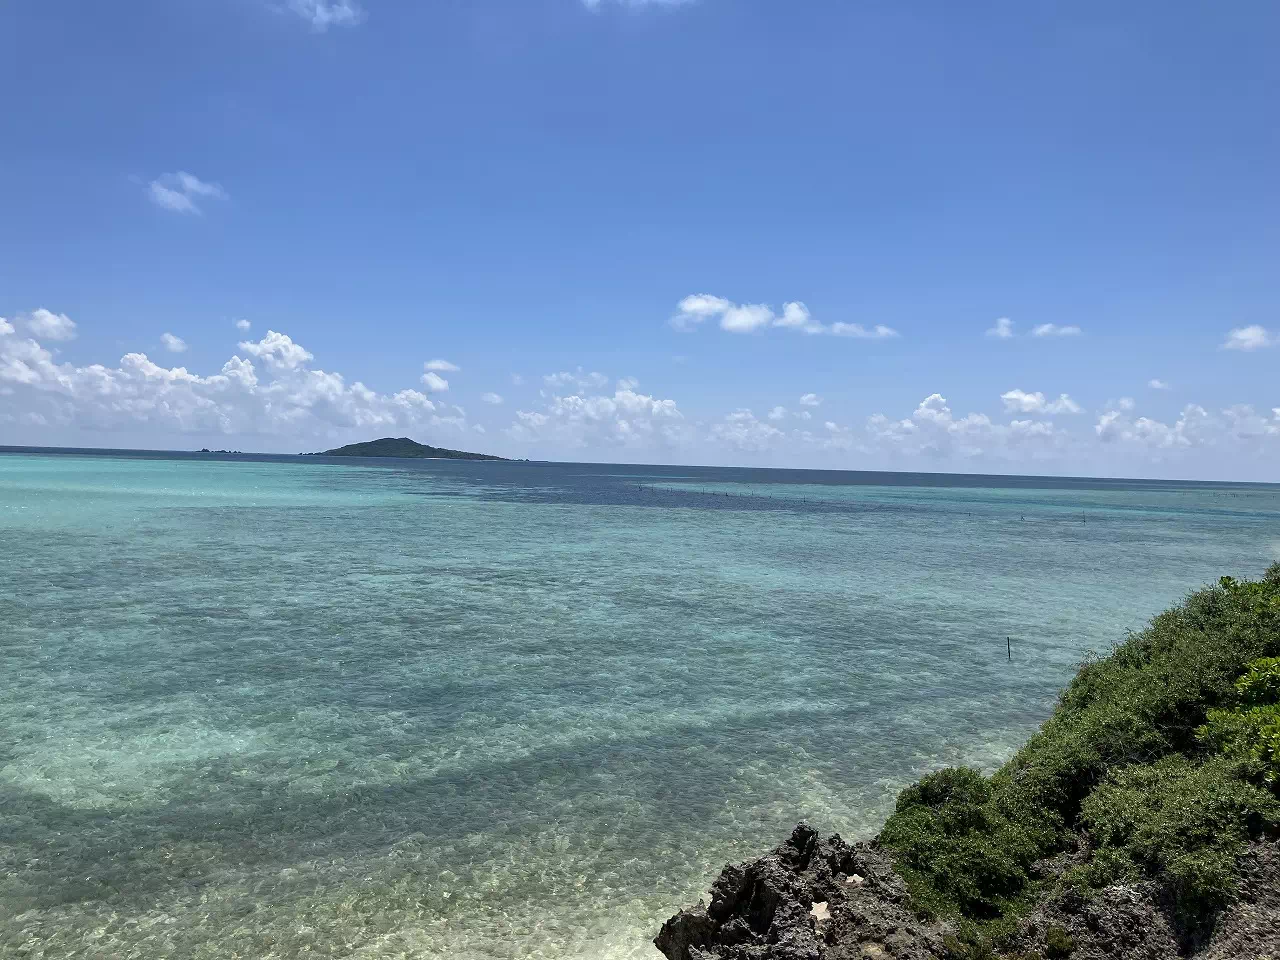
(1009, 641)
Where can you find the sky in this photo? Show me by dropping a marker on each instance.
(984, 237)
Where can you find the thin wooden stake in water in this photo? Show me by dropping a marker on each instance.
(1009, 641)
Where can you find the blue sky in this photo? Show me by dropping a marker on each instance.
(600, 212)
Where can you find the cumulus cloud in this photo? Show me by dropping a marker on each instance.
(580, 380)
(811, 400)
(838, 437)
(242, 324)
(696, 309)
(746, 318)
(1253, 337)
(1194, 427)
(46, 325)
(492, 398)
(173, 344)
(442, 366)
(1157, 384)
(934, 431)
(693, 311)
(323, 14)
(584, 419)
(1054, 330)
(178, 192)
(878, 332)
(278, 350)
(741, 431)
(434, 382)
(1019, 401)
(1002, 330)
(796, 316)
(5, 327)
(286, 398)
(778, 413)
(1236, 428)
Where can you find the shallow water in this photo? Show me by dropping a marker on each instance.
(275, 707)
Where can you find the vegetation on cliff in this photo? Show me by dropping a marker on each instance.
(405, 448)
(1160, 763)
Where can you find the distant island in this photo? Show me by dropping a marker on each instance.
(402, 447)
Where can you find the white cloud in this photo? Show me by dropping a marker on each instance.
(1253, 337)
(742, 431)
(628, 383)
(5, 327)
(1157, 384)
(1193, 427)
(173, 344)
(878, 332)
(583, 420)
(1236, 428)
(286, 400)
(242, 324)
(278, 350)
(1054, 330)
(581, 380)
(695, 310)
(434, 382)
(493, 398)
(1019, 401)
(323, 14)
(933, 431)
(46, 325)
(804, 415)
(1002, 330)
(840, 438)
(811, 400)
(1243, 424)
(796, 316)
(778, 413)
(178, 192)
(746, 318)
(443, 366)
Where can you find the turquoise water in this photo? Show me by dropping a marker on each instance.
(266, 707)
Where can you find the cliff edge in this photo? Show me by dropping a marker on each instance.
(1142, 821)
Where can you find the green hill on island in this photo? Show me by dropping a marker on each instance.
(405, 448)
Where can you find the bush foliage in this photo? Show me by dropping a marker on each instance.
(1249, 733)
(1159, 757)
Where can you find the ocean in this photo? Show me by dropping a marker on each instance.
(274, 707)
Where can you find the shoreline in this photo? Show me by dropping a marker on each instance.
(1142, 820)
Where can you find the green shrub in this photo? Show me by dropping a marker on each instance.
(955, 849)
(1249, 735)
(1058, 944)
(1178, 821)
(1260, 686)
(965, 844)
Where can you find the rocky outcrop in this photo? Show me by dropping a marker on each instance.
(810, 899)
(824, 899)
